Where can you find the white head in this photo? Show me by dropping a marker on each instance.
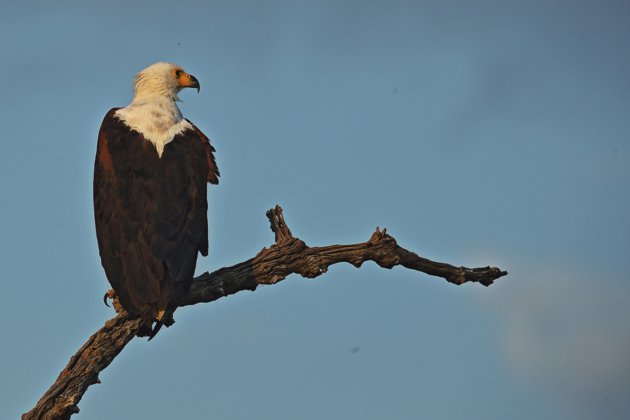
(163, 79)
(153, 112)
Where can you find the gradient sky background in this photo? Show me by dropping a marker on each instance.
(479, 133)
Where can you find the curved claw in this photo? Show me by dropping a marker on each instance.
(105, 299)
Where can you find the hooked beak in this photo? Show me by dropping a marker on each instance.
(188, 80)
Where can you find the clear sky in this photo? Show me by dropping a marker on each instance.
(478, 133)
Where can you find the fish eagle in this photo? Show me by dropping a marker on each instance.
(150, 196)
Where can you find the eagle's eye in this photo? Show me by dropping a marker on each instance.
(178, 73)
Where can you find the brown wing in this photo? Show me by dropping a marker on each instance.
(150, 213)
(213, 170)
(187, 165)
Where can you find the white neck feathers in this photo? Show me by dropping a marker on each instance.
(156, 117)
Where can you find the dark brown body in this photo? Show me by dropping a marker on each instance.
(151, 214)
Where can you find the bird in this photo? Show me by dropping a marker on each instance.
(151, 176)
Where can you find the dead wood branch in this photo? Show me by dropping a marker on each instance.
(286, 256)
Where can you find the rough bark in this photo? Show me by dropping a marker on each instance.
(286, 256)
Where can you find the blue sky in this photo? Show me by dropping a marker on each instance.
(488, 132)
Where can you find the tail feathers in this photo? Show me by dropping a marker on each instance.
(165, 317)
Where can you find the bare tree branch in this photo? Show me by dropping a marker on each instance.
(286, 256)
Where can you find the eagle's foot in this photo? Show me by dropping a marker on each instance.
(111, 294)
